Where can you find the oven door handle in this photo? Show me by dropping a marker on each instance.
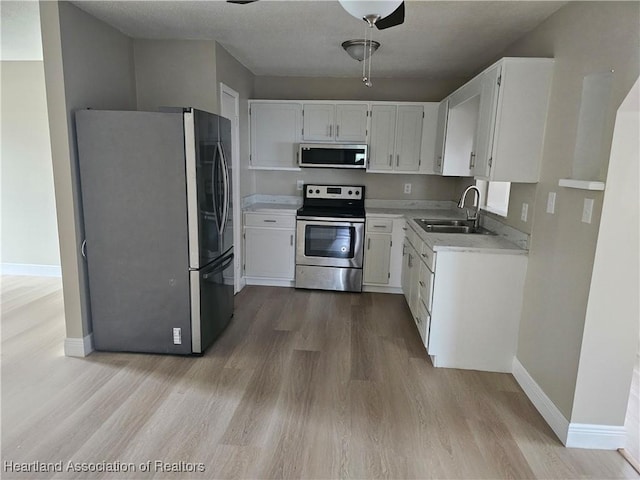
(336, 222)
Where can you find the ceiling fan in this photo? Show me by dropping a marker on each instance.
(381, 13)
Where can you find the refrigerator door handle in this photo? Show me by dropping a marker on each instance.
(225, 179)
(213, 188)
(222, 267)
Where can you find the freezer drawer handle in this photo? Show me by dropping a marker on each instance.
(221, 268)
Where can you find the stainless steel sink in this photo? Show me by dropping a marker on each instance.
(451, 226)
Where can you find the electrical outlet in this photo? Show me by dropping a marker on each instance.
(407, 188)
(300, 184)
(551, 202)
(525, 212)
(587, 210)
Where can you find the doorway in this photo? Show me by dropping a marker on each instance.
(230, 108)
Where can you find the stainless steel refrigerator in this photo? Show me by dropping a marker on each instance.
(157, 210)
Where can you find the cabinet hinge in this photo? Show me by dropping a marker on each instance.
(419, 161)
(244, 235)
(303, 112)
(389, 275)
(250, 158)
(422, 114)
(371, 113)
(249, 110)
(499, 80)
(490, 161)
(391, 243)
(303, 131)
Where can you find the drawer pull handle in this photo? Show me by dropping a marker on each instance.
(291, 241)
(424, 255)
(269, 221)
(379, 226)
(404, 228)
(421, 283)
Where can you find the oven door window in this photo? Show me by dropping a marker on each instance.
(329, 241)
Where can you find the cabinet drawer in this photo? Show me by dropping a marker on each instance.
(269, 220)
(413, 238)
(425, 280)
(380, 225)
(422, 320)
(428, 256)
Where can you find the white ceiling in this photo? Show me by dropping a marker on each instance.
(303, 38)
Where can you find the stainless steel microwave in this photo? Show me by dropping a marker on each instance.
(328, 155)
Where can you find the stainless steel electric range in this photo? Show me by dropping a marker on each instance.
(330, 238)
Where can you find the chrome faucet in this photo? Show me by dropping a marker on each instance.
(471, 216)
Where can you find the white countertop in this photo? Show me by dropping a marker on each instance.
(450, 241)
(272, 207)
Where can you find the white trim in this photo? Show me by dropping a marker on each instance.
(235, 182)
(558, 423)
(269, 282)
(242, 283)
(600, 437)
(381, 289)
(78, 347)
(31, 270)
(285, 169)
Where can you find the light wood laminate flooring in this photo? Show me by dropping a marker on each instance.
(302, 384)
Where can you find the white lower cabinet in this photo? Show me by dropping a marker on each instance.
(269, 246)
(466, 304)
(383, 254)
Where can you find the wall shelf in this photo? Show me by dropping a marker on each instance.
(581, 184)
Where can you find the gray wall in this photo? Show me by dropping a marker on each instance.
(584, 37)
(424, 187)
(87, 64)
(176, 73)
(29, 230)
(336, 88)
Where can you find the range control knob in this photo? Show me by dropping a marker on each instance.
(310, 191)
(317, 191)
(350, 192)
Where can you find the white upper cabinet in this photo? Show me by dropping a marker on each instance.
(318, 122)
(396, 138)
(276, 130)
(512, 124)
(409, 137)
(429, 130)
(329, 122)
(441, 131)
(462, 121)
(383, 134)
(493, 126)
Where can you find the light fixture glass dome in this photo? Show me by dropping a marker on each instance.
(358, 49)
(361, 9)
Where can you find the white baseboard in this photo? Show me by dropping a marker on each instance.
(599, 437)
(380, 289)
(541, 401)
(78, 347)
(25, 269)
(269, 282)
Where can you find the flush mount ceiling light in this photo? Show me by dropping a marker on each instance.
(360, 49)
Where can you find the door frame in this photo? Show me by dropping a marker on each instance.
(235, 181)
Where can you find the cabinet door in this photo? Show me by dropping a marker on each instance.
(275, 134)
(351, 123)
(441, 132)
(406, 270)
(269, 253)
(377, 255)
(408, 138)
(486, 122)
(462, 120)
(429, 129)
(318, 122)
(383, 131)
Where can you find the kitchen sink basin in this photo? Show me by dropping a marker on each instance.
(451, 226)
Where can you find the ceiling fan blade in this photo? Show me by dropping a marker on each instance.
(241, 2)
(396, 18)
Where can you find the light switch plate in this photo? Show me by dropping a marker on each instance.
(525, 212)
(587, 210)
(407, 188)
(300, 184)
(551, 202)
